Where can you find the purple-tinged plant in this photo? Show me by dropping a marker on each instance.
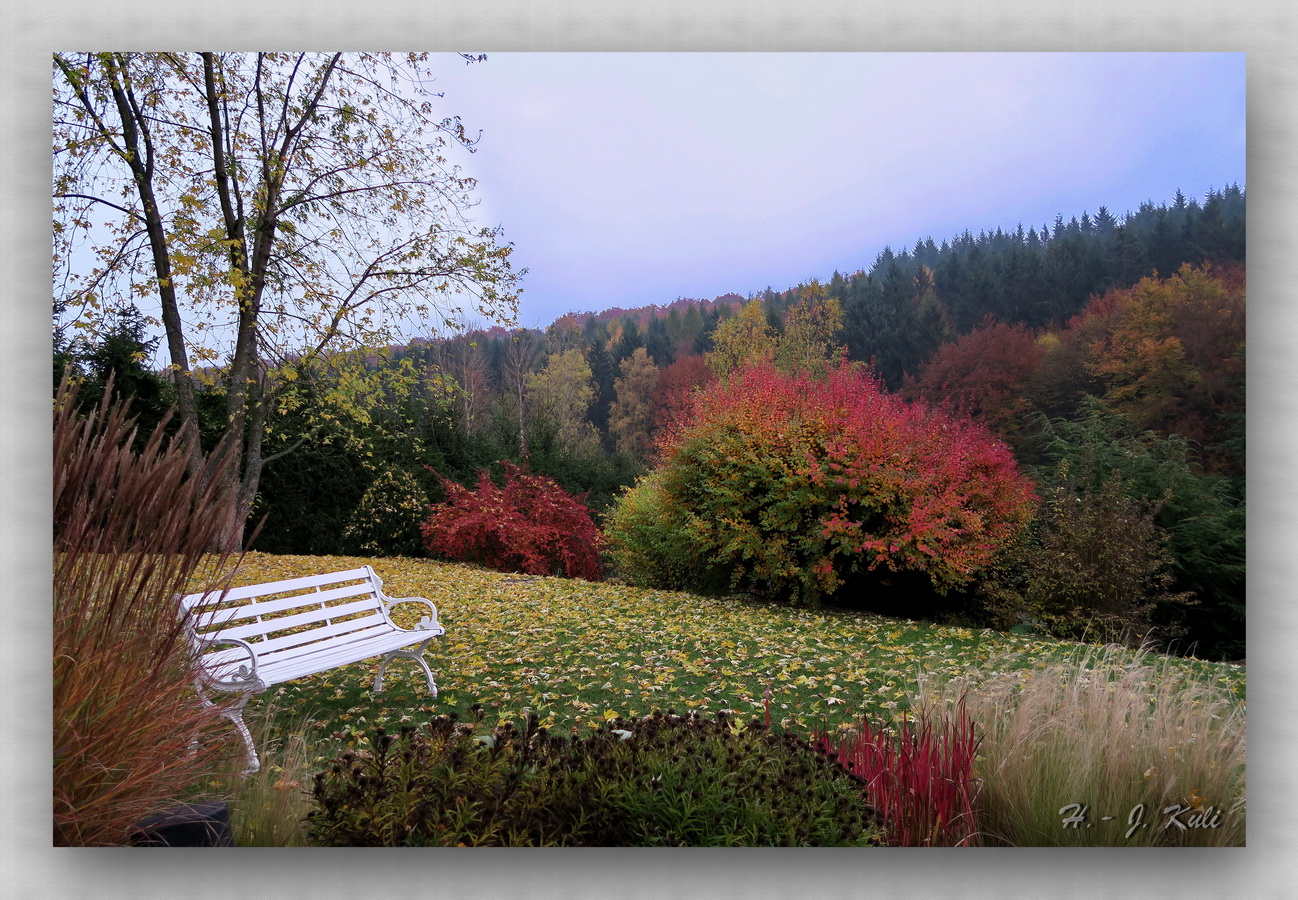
(131, 531)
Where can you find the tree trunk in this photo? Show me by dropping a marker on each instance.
(139, 156)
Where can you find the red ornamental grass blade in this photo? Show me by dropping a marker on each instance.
(920, 780)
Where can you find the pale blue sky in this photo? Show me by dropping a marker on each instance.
(632, 178)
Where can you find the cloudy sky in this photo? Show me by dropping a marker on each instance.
(625, 179)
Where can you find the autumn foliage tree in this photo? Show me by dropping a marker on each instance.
(630, 418)
(269, 208)
(744, 338)
(676, 384)
(811, 327)
(1172, 355)
(790, 485)
(984, 374)
(562, 393)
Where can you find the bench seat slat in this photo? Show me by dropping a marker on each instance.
(300, 661)
(342, 655)
(269, 660)
(373, 634)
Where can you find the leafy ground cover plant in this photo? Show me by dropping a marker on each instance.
(529, 524)
(665, 780)
(792, 484)
(919, 775)
(130, 533)
(1101, 734)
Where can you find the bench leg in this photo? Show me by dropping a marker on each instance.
(235, 714)
(418, 656)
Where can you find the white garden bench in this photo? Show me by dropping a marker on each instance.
(250, 638)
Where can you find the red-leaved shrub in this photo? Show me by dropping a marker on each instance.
(921, 779)
(529, 524)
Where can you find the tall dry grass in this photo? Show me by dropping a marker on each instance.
(1105, 733)
(268, 808)
(130, 531)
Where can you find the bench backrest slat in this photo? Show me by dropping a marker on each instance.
(309, 616)
(274, 646)
(210, 619)
(275, 587)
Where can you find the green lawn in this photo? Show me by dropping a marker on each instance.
(576, 653)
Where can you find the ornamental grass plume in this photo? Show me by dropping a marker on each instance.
(1104, 748)
(131, 531)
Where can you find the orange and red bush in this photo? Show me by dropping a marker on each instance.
(790, 484)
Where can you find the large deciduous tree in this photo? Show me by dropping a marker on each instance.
(630, 419)
(742, 339)
(270, 209)
(810, 330)
(985, 374)
(1172, 357)
(562, 392)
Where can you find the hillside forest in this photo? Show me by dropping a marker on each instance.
(1105, 352)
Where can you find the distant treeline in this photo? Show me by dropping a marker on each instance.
(583, 399)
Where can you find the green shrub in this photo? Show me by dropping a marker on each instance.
(1203, 516)
(1095, 568)
(664, 780)
(387, 519)
(648, 547)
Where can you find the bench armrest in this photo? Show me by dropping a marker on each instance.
(427, 623)
(243, 678)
